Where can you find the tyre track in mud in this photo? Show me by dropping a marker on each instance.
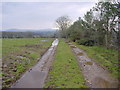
(95, 75)
(35, 77)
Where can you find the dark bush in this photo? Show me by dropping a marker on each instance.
(86, 42)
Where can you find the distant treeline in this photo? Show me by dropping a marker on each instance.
(51, 34)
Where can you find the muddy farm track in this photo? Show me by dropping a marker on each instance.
(95, 76)
(35, 77)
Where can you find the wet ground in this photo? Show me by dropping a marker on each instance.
(35, 77)
(0, 71)
(95, 76)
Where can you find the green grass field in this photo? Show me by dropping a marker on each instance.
(65, 72)
(107, 58)
(9, 45)
(18, 55)
(0, 48)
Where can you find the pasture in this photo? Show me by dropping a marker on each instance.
(18, 55)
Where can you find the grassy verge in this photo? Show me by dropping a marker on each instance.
(65, 72)
(107, 58)
(18, 55)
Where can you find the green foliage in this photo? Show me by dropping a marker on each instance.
(89, 17)
(86, 42)
(99, 24)
(33, 55)
(65, 71)
(74, 31)
(20, 67)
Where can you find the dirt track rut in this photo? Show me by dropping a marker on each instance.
(95, 76)
(35, 77)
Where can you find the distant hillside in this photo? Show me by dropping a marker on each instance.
(29, 30)
(26, 33)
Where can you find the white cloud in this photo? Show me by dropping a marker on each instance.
(40, 15)
(49, 0)
(0, 16)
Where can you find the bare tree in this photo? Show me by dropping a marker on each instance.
(63, 23)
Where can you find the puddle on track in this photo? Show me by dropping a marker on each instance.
(95, 76)
(43, 40)
(72, 46)
(102, 82)
(88, 63)
(35, 77)
(80, 54)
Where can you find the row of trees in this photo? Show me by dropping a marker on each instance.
(28, 34)
(99, 26)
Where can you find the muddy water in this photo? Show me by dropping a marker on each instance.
(95, 76)
(35, 77)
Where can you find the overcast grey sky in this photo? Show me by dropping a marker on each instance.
(40, 15)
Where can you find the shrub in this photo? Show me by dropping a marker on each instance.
(86, 42)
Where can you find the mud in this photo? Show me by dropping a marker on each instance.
(35, 77)
(95, 75)
(79, 54)
(36, 46)
(88, 63)
(0, 71)
(73, 46)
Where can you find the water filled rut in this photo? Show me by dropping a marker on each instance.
(35, 77)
